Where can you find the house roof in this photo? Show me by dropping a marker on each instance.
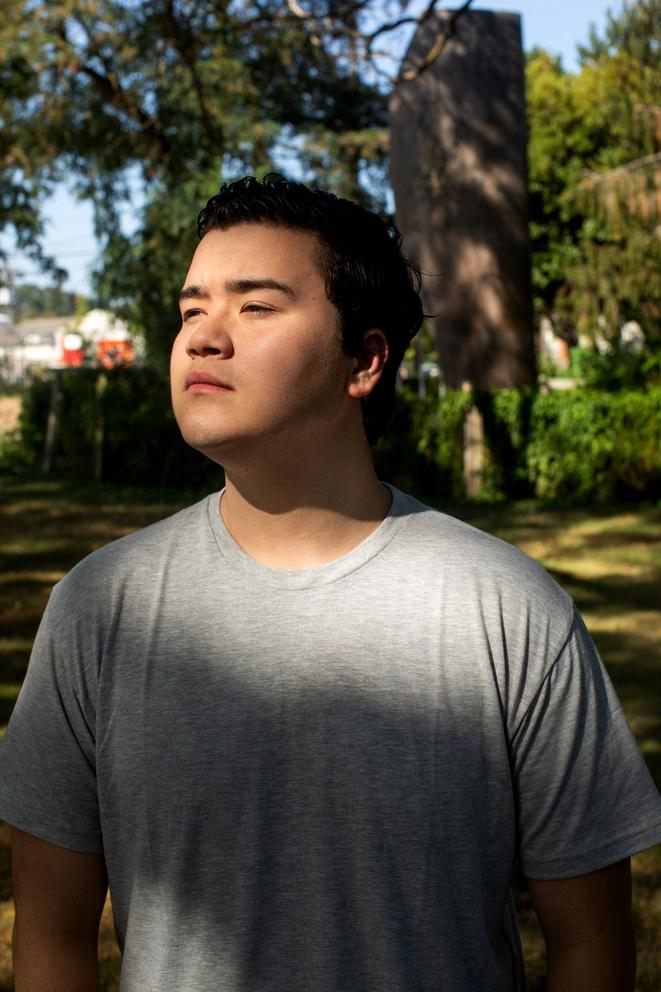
(41, 325)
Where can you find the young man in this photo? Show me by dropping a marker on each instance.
(308, 728)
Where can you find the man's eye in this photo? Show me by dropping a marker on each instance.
(256, 308)
(187, 314)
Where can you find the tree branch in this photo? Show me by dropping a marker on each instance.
(613, 175)
(624, 188)
(393, 25)
(406, 75)
(182, 39)
(109, 84)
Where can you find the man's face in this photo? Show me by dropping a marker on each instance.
(259, 354)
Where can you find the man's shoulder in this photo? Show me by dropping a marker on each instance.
(136, 557)
(456, 540)
(473, 561)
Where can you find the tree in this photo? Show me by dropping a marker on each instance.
(171, 96)
(595, 176)
(40, 301)
(25, 166)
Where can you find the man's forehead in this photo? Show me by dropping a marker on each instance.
(259, 241)
(247, 256)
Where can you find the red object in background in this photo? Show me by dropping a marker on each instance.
(114, 354)
(73, 351)
(72, 356)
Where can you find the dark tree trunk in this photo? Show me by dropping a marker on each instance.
(458, 168)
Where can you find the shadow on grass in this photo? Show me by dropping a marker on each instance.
(615, 591)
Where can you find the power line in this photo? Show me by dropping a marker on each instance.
(66, 252)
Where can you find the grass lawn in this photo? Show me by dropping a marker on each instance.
(608, 560)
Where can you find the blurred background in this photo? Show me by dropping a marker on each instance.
(121, 118)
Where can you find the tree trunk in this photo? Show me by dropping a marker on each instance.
(458, 169)
(52, 424)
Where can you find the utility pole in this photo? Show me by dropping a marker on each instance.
(7, 292)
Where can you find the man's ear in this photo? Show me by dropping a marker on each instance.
(368, 365)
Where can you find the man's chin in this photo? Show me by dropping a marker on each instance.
(212, 449)
(213, 446)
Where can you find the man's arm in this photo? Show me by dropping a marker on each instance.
(59, 897)
(588, 930)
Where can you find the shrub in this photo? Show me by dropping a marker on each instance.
(422, 450)
(506, 414)
(577, 446)
(445, 431)
(141, 441)
(588, 446)
(405, 455)
(623, 370)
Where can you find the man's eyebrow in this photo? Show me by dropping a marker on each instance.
(192, 293)
(237, 286)
(248, 285)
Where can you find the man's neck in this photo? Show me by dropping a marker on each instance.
(306, 512)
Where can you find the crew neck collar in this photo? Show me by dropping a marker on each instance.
(304, 578)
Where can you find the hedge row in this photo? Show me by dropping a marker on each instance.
(141, 441)
(577, 446)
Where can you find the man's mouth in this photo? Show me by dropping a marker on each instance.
(204, 382)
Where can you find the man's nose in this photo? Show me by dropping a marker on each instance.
(210, 337)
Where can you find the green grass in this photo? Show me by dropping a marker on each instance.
(608, 560)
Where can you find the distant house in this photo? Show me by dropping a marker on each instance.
(31, 346)
(41, 343)
(101, 325)
(109, 337)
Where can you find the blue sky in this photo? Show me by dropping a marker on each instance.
(556, 26)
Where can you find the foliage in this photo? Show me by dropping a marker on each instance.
(560, 140)
(44, 301)
(402, 455)
(140, 274)
(141, 441)
(506, 415)
(595, 178)
(579, 446)
(584, 445)
(25, 164)
(622, 369)
(15, 455)
(635, 30)
(422, 450)
(589, 446)
(444, 435)
(145, 108)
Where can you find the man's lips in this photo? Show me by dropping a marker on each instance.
(204, 382)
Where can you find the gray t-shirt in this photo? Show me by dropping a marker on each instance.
(321, 780)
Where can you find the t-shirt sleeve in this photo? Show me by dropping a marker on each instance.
(585, 798)
(47, 758)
